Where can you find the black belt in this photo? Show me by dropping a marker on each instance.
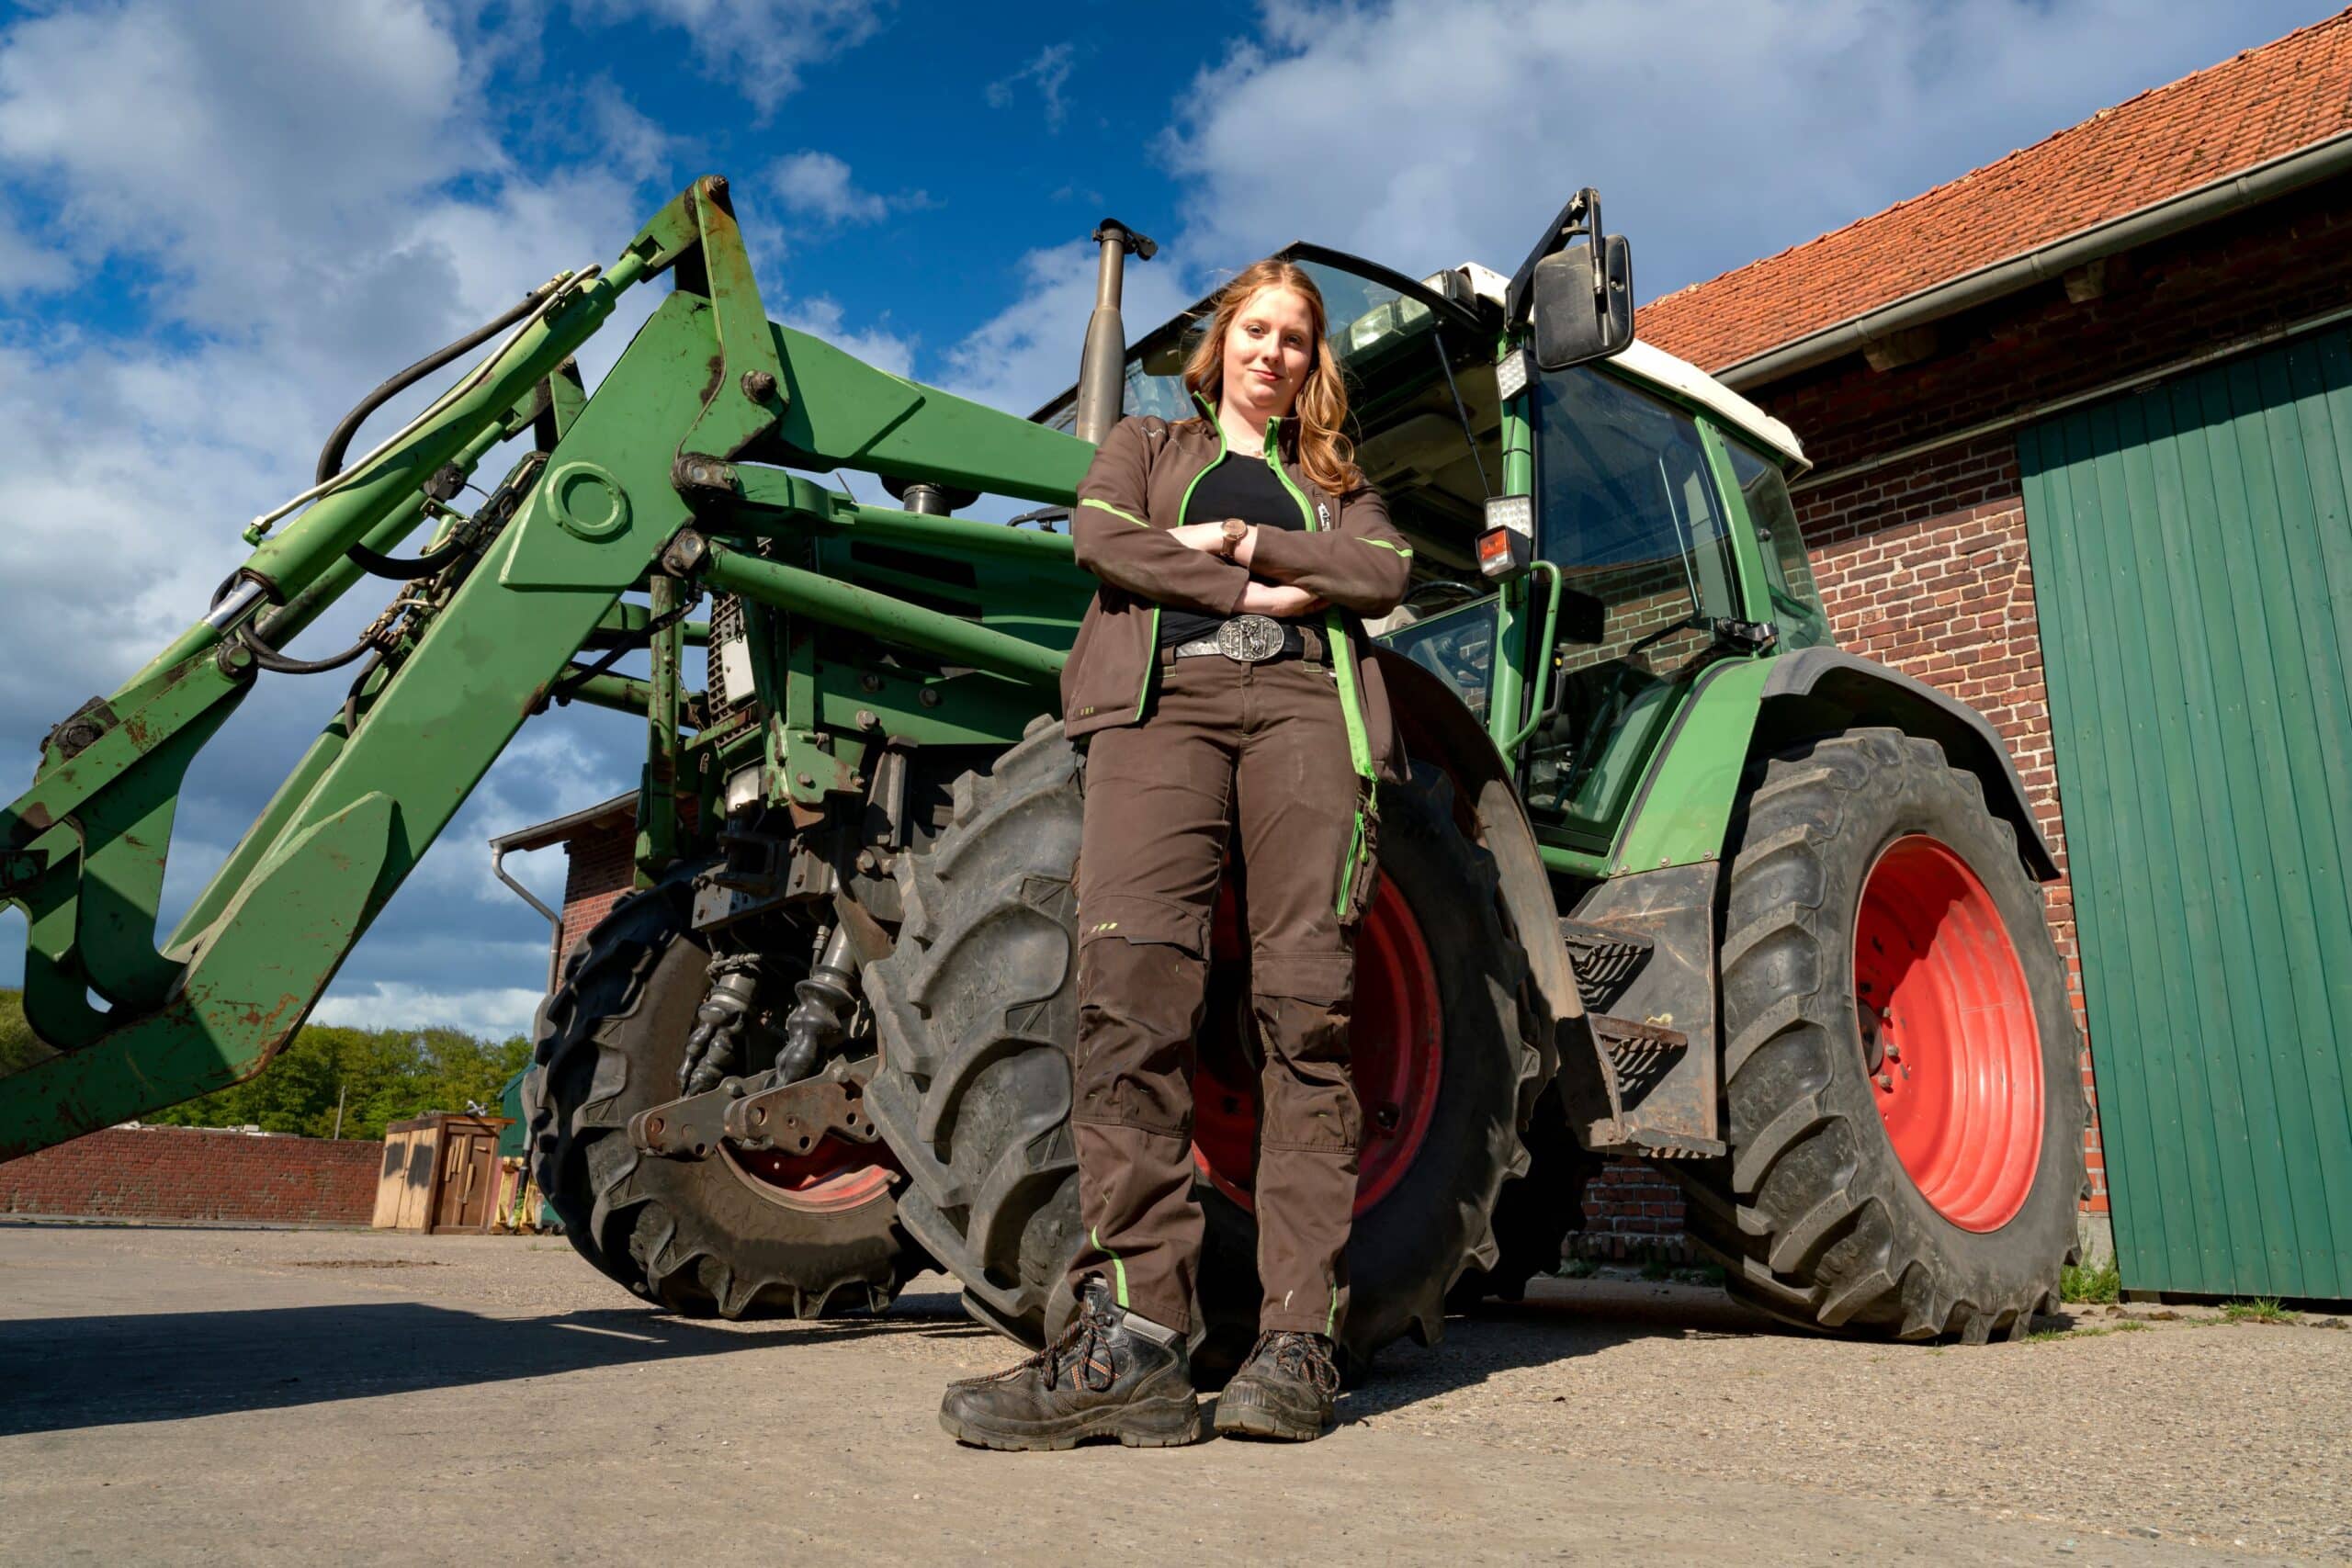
(1254, 639)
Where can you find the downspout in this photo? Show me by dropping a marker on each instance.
(2249, 188)
(555, 936)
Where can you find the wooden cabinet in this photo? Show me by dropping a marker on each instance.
(440, 1173)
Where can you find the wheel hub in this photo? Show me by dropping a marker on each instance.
(834, 1176)
(1396, 1049)
(1949, 1035)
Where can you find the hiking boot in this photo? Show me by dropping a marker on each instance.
(1283, 1392)
(1111, 1374)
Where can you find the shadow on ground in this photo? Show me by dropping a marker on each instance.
(64, 1373)
(1561, 1324)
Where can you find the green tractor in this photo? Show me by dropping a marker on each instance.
(1673, 879)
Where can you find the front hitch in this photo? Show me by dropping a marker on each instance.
(758, 1112)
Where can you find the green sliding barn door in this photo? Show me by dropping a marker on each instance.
(2192, 566)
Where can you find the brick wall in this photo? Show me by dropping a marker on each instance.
(602, 869)
(191, 1174)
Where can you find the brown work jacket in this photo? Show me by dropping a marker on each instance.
(1134, 491)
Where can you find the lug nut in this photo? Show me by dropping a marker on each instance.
(758, 386)
(1884, 1081)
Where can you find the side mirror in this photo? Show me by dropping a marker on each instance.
(1578, 315)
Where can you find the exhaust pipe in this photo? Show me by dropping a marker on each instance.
(1102, 365)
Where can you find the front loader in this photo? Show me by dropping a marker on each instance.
(1673, 878)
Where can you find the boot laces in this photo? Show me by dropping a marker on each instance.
(1306, 1356)
(1082, 1350)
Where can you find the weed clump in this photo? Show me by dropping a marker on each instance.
(2261, 1309)
(2102, 1286)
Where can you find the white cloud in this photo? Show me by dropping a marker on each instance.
(493, 1012)
(760, 47)
(298, 133)
(1428, 132)
(28, 266)
(328, 205)
(817, 185)
(820, 316)
(1028, 352)
(1050, 73)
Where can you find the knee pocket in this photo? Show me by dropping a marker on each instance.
(1136, 1004)
(1324, 979)
(1141, 919)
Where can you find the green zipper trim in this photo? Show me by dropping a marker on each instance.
(1117, 1266)
(1143, 693)
(1114, 512)
(1183, 506)
(1343, 667)
(1331, 1319)
(1375, 544)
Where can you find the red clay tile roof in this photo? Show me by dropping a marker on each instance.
(2249, 108)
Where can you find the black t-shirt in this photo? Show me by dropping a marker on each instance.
(1235, 486)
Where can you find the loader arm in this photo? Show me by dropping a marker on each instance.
(707, 383)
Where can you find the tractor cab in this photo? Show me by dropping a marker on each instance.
(1660, 534)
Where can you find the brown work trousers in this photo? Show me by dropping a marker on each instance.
(1261, 748)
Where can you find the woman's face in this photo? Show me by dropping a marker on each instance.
(1267, 349)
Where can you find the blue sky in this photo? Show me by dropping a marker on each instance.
(220, 222)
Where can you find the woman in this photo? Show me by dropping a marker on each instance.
(1219, 681)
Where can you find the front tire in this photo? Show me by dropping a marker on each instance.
(1900, 1063)
(976, 1011)
(734, 1236)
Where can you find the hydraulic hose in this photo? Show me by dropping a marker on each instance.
(578, 676)
(331, 456)
(426, 565)
(339, 443)
(269, 658)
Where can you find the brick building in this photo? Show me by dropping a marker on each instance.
(1965, 369)
(1952, 365)
(599, 847)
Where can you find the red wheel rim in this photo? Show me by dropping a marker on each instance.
(1397, 1051)
(1949, 1035)
(831, 1178)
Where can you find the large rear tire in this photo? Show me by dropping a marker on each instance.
(1900, 1063)
(977, 1012)
(734, 1236)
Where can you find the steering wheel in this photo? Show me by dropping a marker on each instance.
(1438, 585)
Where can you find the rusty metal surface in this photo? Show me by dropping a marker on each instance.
(796, 1117)
(1655, 1064)
(759, 1113)
(1605, 961)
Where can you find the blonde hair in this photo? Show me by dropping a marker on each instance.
(1321, 406)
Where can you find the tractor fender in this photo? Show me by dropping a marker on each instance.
(1820, 691)
(1439, 730)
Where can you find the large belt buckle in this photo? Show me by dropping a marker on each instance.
(1250, 639)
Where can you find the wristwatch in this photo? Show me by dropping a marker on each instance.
(1236, 531)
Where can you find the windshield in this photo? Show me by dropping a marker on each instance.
(1371, 325)
(1457, 645)
(1626, 506)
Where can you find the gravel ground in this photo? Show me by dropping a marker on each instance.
(202, 1396)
